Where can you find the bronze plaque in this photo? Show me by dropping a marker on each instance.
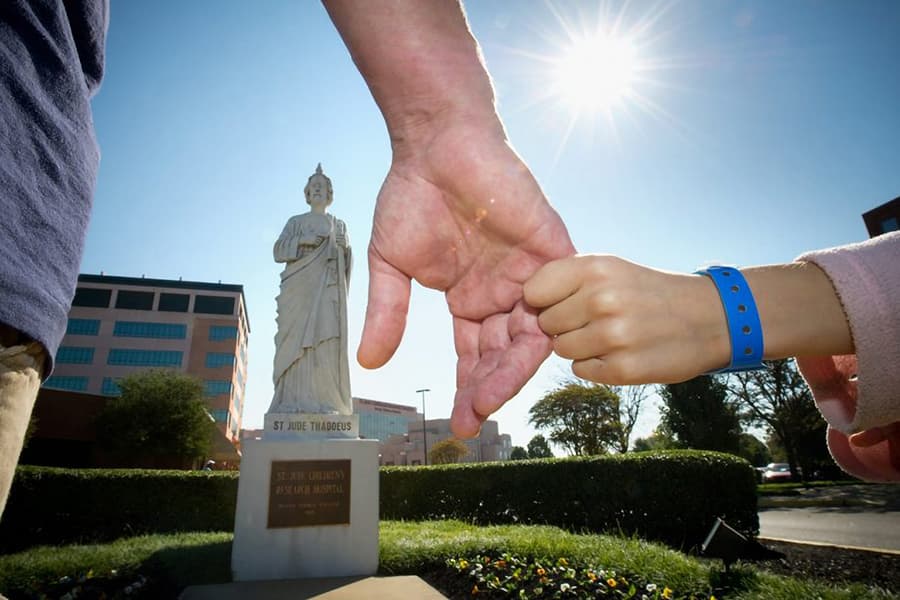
(304, 493)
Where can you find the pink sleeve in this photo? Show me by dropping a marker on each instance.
(862, 391)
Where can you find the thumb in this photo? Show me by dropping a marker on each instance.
(385, 313)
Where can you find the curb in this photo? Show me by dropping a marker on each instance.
(825, 545)
(787, 502)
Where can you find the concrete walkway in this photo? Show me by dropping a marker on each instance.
(335, 588)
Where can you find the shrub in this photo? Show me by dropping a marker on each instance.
(670, 496)
(56, 506)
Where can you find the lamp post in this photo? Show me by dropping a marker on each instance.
(424, 435)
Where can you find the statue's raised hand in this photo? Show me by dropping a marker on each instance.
(463, 214)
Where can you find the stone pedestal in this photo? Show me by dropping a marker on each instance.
(306, 508)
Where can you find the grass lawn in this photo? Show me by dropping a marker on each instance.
(159, 566)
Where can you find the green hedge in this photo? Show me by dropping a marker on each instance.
(56, 506)
(667, 496)
(671, 497)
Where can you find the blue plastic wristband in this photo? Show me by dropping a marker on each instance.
(744, 326)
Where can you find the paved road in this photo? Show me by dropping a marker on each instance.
(832, 526)
(873, 522)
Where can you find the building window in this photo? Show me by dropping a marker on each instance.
(144, 358)
(214, 305)
(92, 297)
(61, 382)
(234, 427)
(214, 387)
(218, 333)
(74, 355)
(174, 302)
(165, 331)
(110, 387)
(240, 379)
(83, 327)
(134, 300)
(219, 359)
(889, 224)
(220, 415)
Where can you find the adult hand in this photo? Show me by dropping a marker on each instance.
(462, 214)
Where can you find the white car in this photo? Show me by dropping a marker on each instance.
(776, 472)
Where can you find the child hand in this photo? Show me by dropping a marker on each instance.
(622, 323)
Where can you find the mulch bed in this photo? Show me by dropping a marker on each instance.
(835, 565)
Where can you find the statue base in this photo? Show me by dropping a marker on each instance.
(306, 509)
(310, 426)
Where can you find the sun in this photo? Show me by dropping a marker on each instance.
(595, 73)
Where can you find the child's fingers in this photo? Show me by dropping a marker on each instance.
(582, 343)
(567, 315)
(555, 281)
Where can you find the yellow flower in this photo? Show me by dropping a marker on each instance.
(592, 576)
(562, 562)
(611, 582)
(500, 564)
(667, 592)
(711, 597)
(463, 564)
(541, 571)
(474, 589)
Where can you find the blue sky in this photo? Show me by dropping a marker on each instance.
(754, 131)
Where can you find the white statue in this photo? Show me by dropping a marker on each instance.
(311, 373)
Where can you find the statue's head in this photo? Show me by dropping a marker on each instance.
(318, 189)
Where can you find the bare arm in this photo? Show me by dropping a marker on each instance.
(624, 323)
(421, 63)
(458, 211)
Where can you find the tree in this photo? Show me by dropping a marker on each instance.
(160, 418)
(753, 450)
(582, 417)
(539, 448)
(518, 453)
(631, 397)
(658, 440)
(447, 451)
(778, 398)
(698, 414)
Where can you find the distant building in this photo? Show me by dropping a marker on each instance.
(380, 420)
(884, 218)
(121, 325)
(409, 449)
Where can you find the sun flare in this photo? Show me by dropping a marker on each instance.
(595, 73)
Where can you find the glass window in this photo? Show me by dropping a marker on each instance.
(174, 302)
(144, 358)
(889, 224)
(216, 305)
(62, 382)
(110, 387)
(94, 297)
(214, 387)
(222, 332)
(165, 331)
(134, 300)
(220, 415)
(74, 355)
(219, 359)
(83, 327)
